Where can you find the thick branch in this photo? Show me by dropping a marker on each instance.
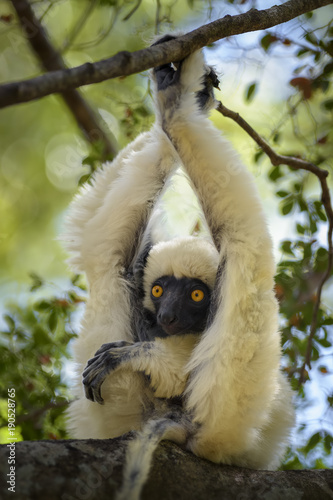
(298, 164)
(51, 61)
(126, 63)
(92, 469)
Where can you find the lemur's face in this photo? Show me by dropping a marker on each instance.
(181, 305)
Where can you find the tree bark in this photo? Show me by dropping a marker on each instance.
(92, 469)
(127, 63)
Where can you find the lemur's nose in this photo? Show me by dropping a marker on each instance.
(167, 317)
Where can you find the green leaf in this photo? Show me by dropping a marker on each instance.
(53, 320)
(88, 160)
(321, 214)
(320, 464)
(313, 226)
(275, 173)
(286, 247)
(282, 194)
(72, 295)
(328, 69)
(84, 179)
(75, 279)
(313, 441)
(40, 336)
(300, 229)
(327, 105)
(303, 206)
(251, 92)
(142, 111)
(307, 250)
(321, 260)
(301, 52)
(258, 155)
(328, 443)
(287, 207)
(10, 322)
(293, 464)
(37, 281)
(311, 38)
(314, 353)
(322, 255)
(324, 343)
(267, 41)
(42, 305)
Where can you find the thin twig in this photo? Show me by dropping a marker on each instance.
(79, 25)
(157, 16)
(298, 164)
(103, 34)
(126, 63)
(132, 11)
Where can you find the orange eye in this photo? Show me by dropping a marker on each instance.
(157, 291)
(197, 295)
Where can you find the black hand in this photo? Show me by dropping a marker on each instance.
(165, 74)
(106, 360)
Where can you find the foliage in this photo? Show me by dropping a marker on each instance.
(34, 346)
(34, 340)
(304, 256)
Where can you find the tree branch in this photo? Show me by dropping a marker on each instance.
(321, 174)
(51, 61)
(92, 469)
(126, 63)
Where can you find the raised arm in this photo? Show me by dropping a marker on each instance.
(107, 218)
(104, 231)
(234, 370)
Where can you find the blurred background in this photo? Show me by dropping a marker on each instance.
(279, 80)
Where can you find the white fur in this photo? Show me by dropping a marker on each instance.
(102, 221)
(231, 377)
(182, 257)
(235, 390)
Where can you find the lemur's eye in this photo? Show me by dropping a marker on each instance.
(197, 295)
(157, 291)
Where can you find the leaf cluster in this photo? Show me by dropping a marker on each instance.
(34, 344)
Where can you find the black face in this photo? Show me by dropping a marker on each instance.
(181, 305)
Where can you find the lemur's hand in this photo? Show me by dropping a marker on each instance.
(162, 365)
(166, 74)
(170, 75)
(106, 360)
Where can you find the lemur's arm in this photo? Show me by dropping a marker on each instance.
(104, 230)
(108, 217)
(163, 361)
(234, 368)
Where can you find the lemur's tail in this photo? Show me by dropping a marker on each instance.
(140, 453)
